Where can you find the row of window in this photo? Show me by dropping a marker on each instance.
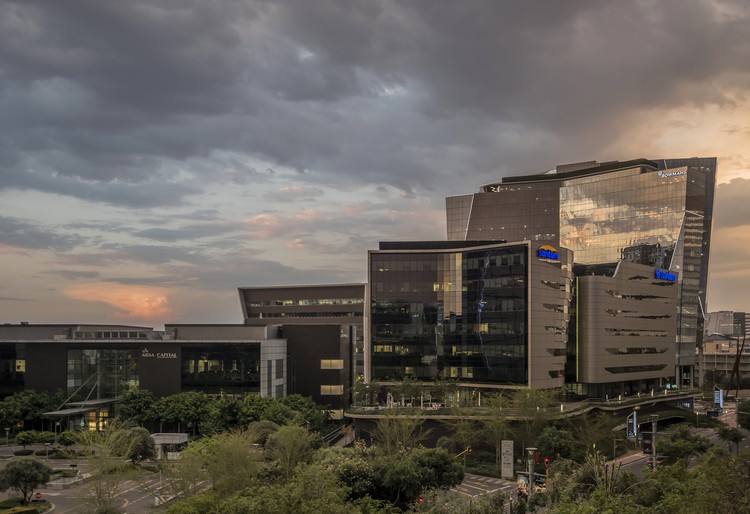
(312, 301)
(110, 335)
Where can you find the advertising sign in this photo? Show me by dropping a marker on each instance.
(632, 426)
(506, 462)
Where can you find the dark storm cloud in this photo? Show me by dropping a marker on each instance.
(27, 235)
(417, 95)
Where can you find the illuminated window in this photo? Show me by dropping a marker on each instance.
(331, 390)
(331, 364)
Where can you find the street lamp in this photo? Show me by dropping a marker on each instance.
(531, 452)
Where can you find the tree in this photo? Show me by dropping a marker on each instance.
(290, 445)
(184, 409)
(25, 438)
(402, 477)
(254, 408)
(229, 461)
(731, 436)
(106, 464)
(496, 426)
(394, 432)
(464, 430)
(556, 443)
(682, 443)
(743, 414)
(223, 415)
(138, 443)
(24, 475)
(531, 407)
(136, 405)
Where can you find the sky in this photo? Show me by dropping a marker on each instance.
(157, 155)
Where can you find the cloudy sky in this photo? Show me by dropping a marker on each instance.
(156, 155)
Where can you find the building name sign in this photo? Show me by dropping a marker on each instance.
(665, 275)
(548, 252)
(148, 354)
(665, 174)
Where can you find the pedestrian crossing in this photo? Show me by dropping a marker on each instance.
(475, 485)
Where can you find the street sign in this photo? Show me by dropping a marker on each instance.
(718, 397)
(38, 496)
(632, 425)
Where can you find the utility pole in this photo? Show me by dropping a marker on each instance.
(653, 443)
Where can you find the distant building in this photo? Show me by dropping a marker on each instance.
(101, 362)
(324, 329)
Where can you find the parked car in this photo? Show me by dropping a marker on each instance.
(713, 413)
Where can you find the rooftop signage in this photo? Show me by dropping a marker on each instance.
(548, 252)
(665, 174)
(665, 275)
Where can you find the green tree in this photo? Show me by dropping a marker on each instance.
(731, 436)
(106, 464)
(464, 430)
(496, 426)
(229, 459)
(25, 438)
(743, 414)
(682, 443)
(254, 408)
(399, 430)
(556, 443)
(138, 443)
(24, 475)
(186, 409)
(260, 431)
(308, 412)
(531, 407)
(223, 415)
(403, 476)
(289, 446)
(136, 405)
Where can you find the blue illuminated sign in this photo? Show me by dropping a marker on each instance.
(665, 275)
(548, 252)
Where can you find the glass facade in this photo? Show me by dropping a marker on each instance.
(454, 314)
(215, 368)
(657, 213)
(106, 372)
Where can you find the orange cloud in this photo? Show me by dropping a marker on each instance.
(141, 302)
(295, 244)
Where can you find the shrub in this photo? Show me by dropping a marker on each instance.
(23, 453)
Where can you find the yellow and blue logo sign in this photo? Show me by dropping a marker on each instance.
(548, 252)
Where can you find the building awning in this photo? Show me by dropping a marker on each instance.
(73, 408)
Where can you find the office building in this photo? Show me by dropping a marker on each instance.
(488, 314)
(323, 328)
(98, 363)
(652, 212)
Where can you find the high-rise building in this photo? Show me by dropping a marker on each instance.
(652, 212)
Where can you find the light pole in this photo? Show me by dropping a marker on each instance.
(7, 431)
(530, 463)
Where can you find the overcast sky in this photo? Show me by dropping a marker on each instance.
(156, 155)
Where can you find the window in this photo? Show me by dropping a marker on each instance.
(331, 390)
(331, 364)
(279, 368)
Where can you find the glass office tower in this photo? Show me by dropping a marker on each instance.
(463, 311)
(657, 213)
